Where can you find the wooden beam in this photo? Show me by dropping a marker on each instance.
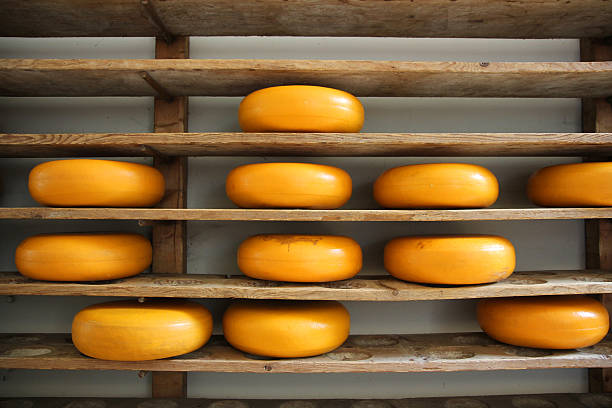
(380, 287)
(597, 117)
(306, 144)
(170, 237)
(233, 77)
(493, 401)
(369, 18)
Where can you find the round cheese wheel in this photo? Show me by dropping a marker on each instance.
(288, 185)
(300, 108)
(130, 331)
(437, 185)
(553, 322)
(95, 183)
(450, 259)
(300, 258)
(285, 328)
(83, 257)
(572, 185)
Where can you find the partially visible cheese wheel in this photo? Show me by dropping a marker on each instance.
(300, 258)
(450, 259)
(572, 185)
(437, 185)
(83, 257)
(131, 331)
(288, 185)
(552, 322)
(300, 108)
(95, 183)
(285, 328)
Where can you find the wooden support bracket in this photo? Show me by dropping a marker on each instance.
(597, 117)
(170, 237)
(156, 21)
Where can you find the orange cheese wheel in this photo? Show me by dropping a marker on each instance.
(553, 322)
(83, 257)
(130, 331)
(438, 185)
(300, 258)
(300, 108)
(288, 185)
(450, 259)
(95, 183)
(572, 185)
(284, 328)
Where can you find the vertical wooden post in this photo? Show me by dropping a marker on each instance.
(170, 238)
(597, 117)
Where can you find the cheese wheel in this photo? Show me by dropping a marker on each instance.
(288, 185)
(438, 185)
(83, 257)
(95, 183)
(450, 259)
(285, 328)
(130, 331)
(553, 322)
(572, 185)
(300, 258)
(300, 108)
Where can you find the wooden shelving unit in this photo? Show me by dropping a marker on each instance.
(171, 77)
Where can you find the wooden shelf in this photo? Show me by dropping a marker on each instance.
(306, 144)
(361, 288)
(432, 18)
(230, 214)
(372, 353)
(51, 77)
(493, 401)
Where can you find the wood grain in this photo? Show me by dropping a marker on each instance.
(306, 144)
(380, 287)
(372, 18)
(229, 214)
(82, 77)
(371, 353)
(493, 401)
(169, 238)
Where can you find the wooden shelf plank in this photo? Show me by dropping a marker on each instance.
(493, 401)
(230, 214)
(381, 287)
(306, 144)
(371, 353)
(51, 77)
(371, 18)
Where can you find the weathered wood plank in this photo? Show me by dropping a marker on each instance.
(169, 238)
(380, 287)
(371, 18)
(491, 401)
(50, 77)
(171, 214)
(371, 353)
(306, 144)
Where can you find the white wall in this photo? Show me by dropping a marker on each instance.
(540, 244)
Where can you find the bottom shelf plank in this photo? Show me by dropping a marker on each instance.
(489, 401)
(360, 353)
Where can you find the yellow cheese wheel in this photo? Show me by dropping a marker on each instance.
(300, 108)
(83, 257)
(572, 185)
(553, 322)
(450, 259)
(95, 183)
(288, 185)
(437, 185)
(300, 258)
(284, 328)
(130, 331)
